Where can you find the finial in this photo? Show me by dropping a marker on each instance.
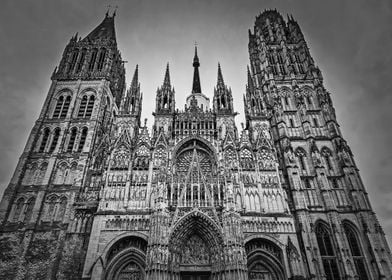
(145, 122)
(115, 12)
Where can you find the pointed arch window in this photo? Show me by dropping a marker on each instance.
(18, 209)
(93, 59)
(82, 141)
(72, 139)
(62, 205)
(301, 155)
(64, 110)
(74, 57)
(51, 208)
(44, 141)
(86, 106)
(326, 153)
(62, 107)
(356, 252)
(29, 210)
(90, 106)
(59, 106)
(327, 252)
(55, 139)
(101, 59)
(82, 107)
(81, 60)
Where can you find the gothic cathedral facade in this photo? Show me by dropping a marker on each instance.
(97, 195)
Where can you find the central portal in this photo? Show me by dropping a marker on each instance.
(195, 276)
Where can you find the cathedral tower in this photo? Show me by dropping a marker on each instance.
(339, 233)
(48, 206)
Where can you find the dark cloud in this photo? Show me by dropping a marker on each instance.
(349, 40)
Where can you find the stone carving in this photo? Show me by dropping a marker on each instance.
(195, 252)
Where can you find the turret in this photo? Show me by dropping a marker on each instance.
(165, 100)
(223, 99)
(254, 103)
(132, 102)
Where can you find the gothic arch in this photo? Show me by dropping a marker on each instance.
(356, 246)
(327, 249)
(196, 225)
(125, 254)
(87, 91)
(119, 237)
(265, 258)
(285, 91)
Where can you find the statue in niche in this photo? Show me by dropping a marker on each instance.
(316, 158)
(161, 190)
(230, 191)
(290, 156)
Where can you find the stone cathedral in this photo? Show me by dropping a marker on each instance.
(97, 194)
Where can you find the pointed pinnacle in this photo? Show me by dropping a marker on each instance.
(250, 80)
(167, 76)
(220, 76)
(135, 79)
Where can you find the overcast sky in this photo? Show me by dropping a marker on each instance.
(351, 42)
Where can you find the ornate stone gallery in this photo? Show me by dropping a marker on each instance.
(98, 195)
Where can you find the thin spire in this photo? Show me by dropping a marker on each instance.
(220, 76)
(166, 81)
(196, 88)
(135, 79)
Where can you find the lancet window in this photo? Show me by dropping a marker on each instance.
(56, 135)
(327, 252)
(72, 138)
(62, 107)
(86, 106)
(44, 140)
(356, 251)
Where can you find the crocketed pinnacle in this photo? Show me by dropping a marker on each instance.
(166, 81)
(220, 76)
(135, 79)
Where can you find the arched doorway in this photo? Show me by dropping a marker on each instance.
(126, 259)
(265, 260)
(195, 247)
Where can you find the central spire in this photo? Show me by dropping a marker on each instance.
(196, 88)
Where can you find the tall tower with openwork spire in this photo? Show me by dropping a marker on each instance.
(339, 233)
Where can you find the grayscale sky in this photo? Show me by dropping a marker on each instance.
(351, 42)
